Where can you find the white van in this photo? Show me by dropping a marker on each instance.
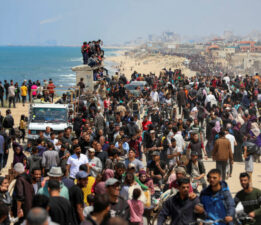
(47, 115)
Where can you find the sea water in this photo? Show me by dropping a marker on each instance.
(41, 63)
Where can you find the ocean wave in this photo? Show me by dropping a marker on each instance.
(68, 75)
(75, 59)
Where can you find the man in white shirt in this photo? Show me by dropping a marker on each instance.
(179, 139)
(173, 153)
(233, 143)
(75, 160)
(155, 96)
(210, 99)
(226, 79)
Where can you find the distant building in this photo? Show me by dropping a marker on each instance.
(230, 49)
(249, 46)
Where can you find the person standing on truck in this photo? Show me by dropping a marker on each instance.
(51, 88)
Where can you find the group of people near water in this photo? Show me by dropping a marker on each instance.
(28, 91)
(128, 149)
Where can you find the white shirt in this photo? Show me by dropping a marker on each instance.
(210, 98)
(75, 163)
(227, 79)
(232, 141)
(179, 140)
(172, 151)
(154, 96)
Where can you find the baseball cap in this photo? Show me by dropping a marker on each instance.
(111, 181)
(180, 170)
(91, 150)
(81, 175)
(131, 165)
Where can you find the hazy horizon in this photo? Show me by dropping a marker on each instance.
(64, 22)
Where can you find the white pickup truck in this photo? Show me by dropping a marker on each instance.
(43, 115)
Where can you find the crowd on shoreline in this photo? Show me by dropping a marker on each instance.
(126, 148)
(28, 91)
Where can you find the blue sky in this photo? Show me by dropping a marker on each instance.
(116, 21)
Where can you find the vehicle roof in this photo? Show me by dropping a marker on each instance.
(54, 106)
(137, 83)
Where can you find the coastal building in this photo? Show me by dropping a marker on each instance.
(230, 49)
(249, 46)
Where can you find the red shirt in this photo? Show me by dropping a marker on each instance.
(146, 124)
(51, 87)
(106, 103)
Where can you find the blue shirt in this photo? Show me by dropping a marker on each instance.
(125, 146)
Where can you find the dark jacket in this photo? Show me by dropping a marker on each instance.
(34, 161)
(218, 205)
(201, 167)
(121, 209)
(181, 97)
(180, 211)
(24, 192)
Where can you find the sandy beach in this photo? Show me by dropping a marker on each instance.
(145, 63)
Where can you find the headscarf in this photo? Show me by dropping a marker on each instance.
(108, 173)
(18, 157)
(217, 126)
(255, 129)
(237, 126)
(171, 178)
(100, 188)
(143, 172)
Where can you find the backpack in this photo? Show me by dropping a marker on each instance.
(200, 95)
(8, 122)
(252, 148)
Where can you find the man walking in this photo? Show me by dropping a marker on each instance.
(222, 153)
(180, 208)
(217, 200)
(50, 158)
(11, 94)
(250, 198)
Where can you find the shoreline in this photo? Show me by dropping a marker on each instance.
(127, 62)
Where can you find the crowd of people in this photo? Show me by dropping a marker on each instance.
(126, 149)
(28, 91)
(92, 53)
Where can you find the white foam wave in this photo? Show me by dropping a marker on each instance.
(75, 59)
(68, 75)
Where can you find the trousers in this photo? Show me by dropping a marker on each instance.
(222, 166)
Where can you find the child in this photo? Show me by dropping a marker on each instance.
(22, 127)
(88, 209)
(136, 208)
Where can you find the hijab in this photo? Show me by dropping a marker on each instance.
(217, 126)
(255, 129)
